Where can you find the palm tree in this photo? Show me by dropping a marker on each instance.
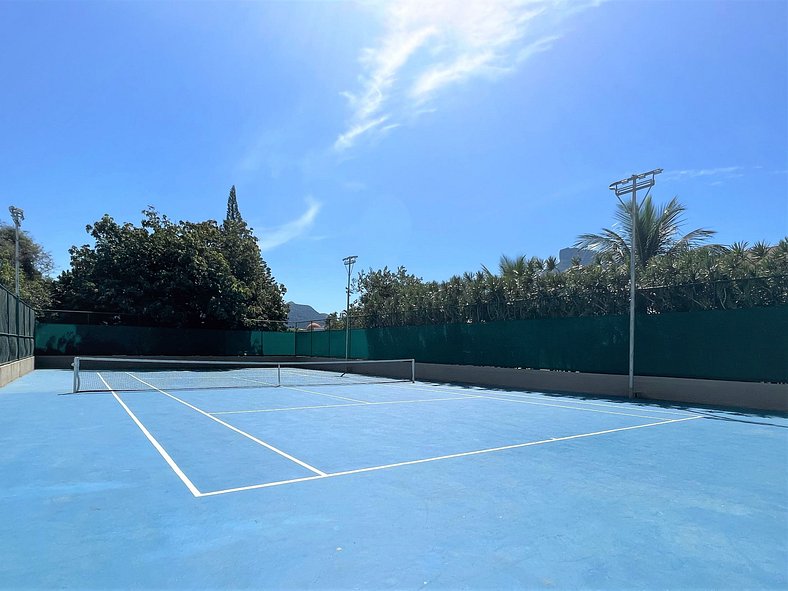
(760, 250)
(658, 230)
(510, 266)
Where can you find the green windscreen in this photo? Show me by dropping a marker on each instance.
(85, 339)
(17, 321)
(748, 344)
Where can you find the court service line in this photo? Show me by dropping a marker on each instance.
(156, 444)
(238, 412)
(541, 397)
(326, 395)
(302, 390)
(517, 400)
(648, 409)
(232, 428)
(446, 457)
(568, 400)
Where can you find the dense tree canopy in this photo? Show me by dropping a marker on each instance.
(35, 265)
(676, 273)
(200, 274)
(701, 278)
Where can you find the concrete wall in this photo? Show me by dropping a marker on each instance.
(15, 369)
(760, 396)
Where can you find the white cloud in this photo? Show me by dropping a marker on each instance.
(428, 46)
(727, 172)
(346, 139)
(271, 238)
(355, 186)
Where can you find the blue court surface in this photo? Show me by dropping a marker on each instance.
(384, 486)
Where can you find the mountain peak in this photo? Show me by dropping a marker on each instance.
(300, 314)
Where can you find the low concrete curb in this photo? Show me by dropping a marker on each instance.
(15, 369)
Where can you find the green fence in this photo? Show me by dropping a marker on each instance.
(85, 339)
(749, 344)
(17, 321)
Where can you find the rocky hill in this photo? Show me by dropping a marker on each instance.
(303, 313)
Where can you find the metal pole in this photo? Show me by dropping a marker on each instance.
(17, 215)
(631, 386)
(348, 261)
(347, 317)
(16, 256)
(631, 185)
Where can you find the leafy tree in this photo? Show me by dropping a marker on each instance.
(708, 277)
(681, 272)
(179, 274)
(510, 266)
(264, 298)
(658, 232)
(35, 265)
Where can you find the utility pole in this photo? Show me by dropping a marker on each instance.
(349, 262)
(17, 215)
(644, 180)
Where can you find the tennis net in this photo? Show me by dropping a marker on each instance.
(105, 374)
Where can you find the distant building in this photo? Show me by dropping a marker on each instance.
(566, 255)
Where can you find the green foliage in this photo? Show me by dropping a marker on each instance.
(35, 265)
(233, 214)
(657, 232)
(709, 277)
(186, 274)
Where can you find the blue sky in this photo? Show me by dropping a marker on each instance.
(433, 135)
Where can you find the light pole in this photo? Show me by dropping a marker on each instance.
(349, 262)
(17, 215)
(644, 180)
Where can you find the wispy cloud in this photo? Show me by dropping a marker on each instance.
(428, 47)
(271, 238)
(349, 137)
(724, 172)
(355, 186)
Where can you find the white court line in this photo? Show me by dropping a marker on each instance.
(536, 396)
(236, 429)
(326, 395)
(567, 399)
(649, 409)
(446, 457)
(238, 412)
(300, 389)
(541, 397)
(156, 444)
(516, 400)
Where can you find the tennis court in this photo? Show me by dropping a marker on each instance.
(223, 478)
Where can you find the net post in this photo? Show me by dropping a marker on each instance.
(413, 370)
(278, 374)
(76, 375)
